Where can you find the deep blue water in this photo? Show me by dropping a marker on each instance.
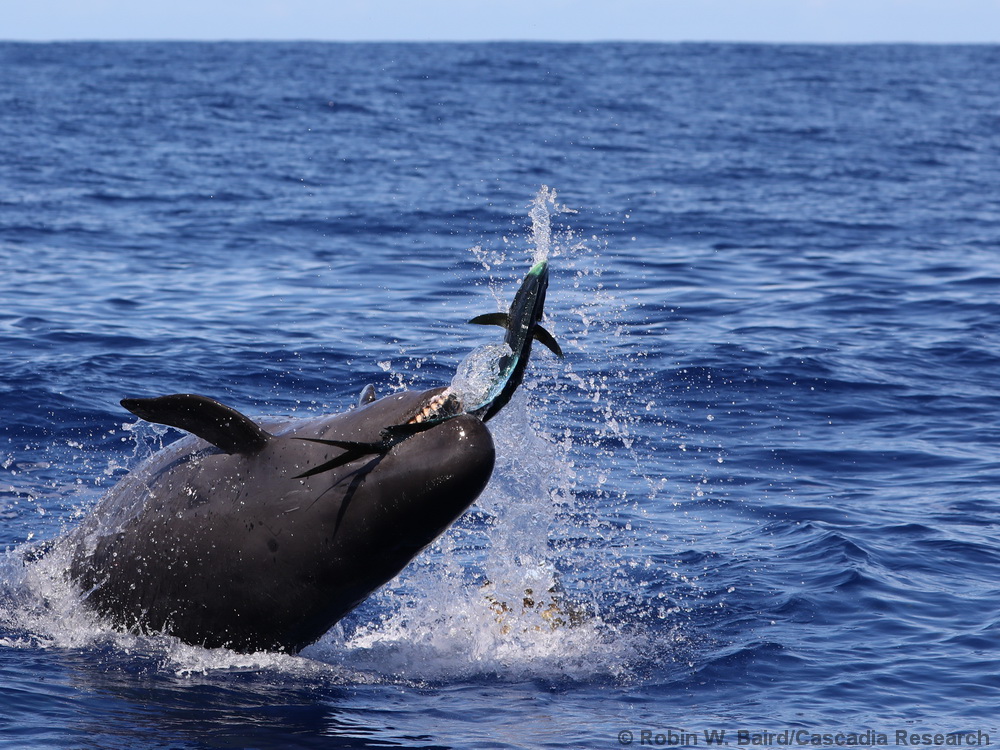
(766, 476)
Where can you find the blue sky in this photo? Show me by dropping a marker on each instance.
(661, 20)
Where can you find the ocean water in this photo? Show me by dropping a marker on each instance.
(761, 492)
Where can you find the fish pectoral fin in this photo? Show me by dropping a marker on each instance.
(547, 340)
(218, 424)
(501, 319)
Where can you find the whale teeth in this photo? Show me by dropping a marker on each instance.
(445, 404)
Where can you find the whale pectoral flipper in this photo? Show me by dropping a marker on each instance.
(215, 423)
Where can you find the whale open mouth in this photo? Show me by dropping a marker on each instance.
(438, 408)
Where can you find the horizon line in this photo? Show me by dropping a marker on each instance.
(308, 40)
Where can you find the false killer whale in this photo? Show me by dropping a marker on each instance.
(260, 536)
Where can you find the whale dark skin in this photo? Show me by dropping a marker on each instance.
(236, 549)
(262, 536)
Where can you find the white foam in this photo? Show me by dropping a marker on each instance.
(42, 609)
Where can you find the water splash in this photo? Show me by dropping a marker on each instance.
(478, 373)
(543, 208)
(40, 609)
(537, 580)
